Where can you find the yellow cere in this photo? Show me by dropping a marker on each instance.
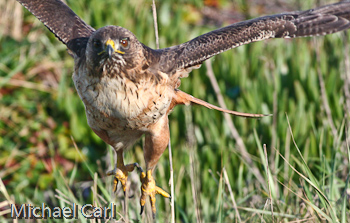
(110, 42)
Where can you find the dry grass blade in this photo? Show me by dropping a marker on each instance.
(171, 180)
(8, 201)
(258, 211)
(234, 205)
(4, 191)
(61, 193)
(285, 166)
(347, 77)
(323, 92)
(27, 84)
(312, 219)
(11, 18)
(194, 190)
(62, 199)
(94, 195)
(154, 10)
(3, 205)
(347, 143)
(228, 118)
(268, 181)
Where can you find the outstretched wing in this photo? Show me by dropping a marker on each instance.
(319, 21)
(59, 19)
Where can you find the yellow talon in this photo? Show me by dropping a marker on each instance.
(149, 188)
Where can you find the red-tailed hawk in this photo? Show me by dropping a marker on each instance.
(128, 89)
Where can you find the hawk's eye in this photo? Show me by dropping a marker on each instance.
(124, 42)
(97, 43)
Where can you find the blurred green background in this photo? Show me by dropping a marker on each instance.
(41, 117)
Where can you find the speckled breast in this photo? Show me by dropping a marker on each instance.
(121, 104)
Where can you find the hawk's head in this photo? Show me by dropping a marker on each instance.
(112, 49)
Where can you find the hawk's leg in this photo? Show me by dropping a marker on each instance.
(155, 144)
(121, 171)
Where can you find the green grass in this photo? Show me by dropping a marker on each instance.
(41, 117)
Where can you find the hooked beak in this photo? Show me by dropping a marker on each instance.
(110, 49)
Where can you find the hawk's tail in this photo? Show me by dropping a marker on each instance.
(184, 98)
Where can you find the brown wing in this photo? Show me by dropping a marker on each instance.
(319, 21)
(59, 19)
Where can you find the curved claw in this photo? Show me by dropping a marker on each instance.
(115, 184)
(139, 168)
(142, 208)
